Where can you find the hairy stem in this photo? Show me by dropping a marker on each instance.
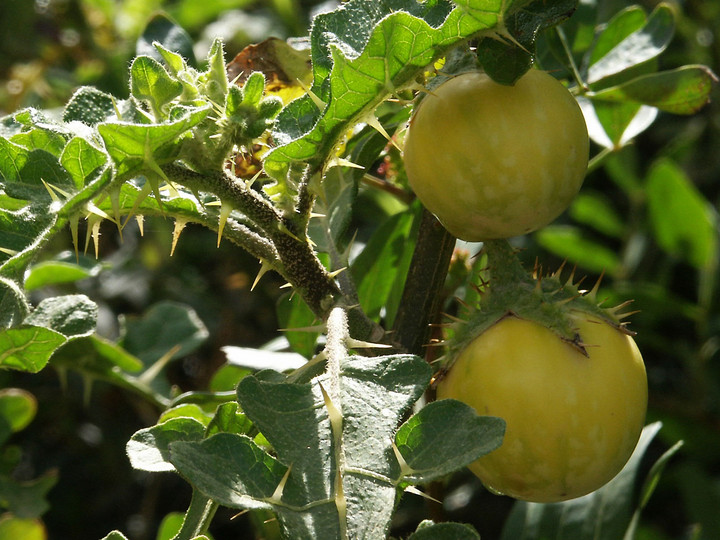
(420, 304)
(287, 251)
(198, 516)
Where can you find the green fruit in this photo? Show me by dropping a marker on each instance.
(494, 161)
(572, 420)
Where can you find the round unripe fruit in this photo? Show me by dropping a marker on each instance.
(572, 421)
(494, 161)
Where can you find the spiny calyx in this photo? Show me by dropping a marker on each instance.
(549, 300)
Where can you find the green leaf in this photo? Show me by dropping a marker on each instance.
(82, 160)
(684, 90)
(28, 172)
(293, 312)
(13, 304)
(229, 419)
(134, 147)
(28, 349)
(359, 72)
(170, 526)
(649, 486)
(149, 81)
(27, 499)
(568, 242)
(380, 269)
(601, 515)
(231, 468)
(114, 355)
(638, 47)
(505, 60)
(44, 139)
(55, 272)
(444, 436)
(336, 195)
(89, 106)
(13, 528)
(620, 26)
(71, 316)
(187, 410)
(162, 328)
(169, 34)
(683, 221)
(149, 448)
(614, 124)
(295, 419)
(594, 210)
(17, 409)
(427, 530)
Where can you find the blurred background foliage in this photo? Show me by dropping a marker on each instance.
(647, 215)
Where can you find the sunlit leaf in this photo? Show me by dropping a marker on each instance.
(684, 90)
(683, 221)
(639, 46)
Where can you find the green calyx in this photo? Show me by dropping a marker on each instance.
(547, 300)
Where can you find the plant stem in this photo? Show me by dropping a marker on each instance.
(198, 516)
(568, 52)
(420, 304)
(504, 265)
(292, 254)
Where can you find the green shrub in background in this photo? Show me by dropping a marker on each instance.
(332, 215)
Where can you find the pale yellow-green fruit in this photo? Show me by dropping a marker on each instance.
(572, 421)
(494, 161)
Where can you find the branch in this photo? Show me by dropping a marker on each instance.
(420, 304)
(288, 253)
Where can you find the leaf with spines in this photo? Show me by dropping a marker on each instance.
(354, 73)
(318, 441)
(151, 83)
(137, 148)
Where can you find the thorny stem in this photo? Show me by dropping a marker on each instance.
(420, 303)
(295, 261)
(336, 351)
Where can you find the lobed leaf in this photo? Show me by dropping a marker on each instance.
(163, 30)
(444, 436)
(26, 500)
(133, 147)
(293, 312)
(89, 106)
(231, 468)
(166, 326)
(355, 71)
(149, 448)
(72, 315)
(81, 160)
(149, 81)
